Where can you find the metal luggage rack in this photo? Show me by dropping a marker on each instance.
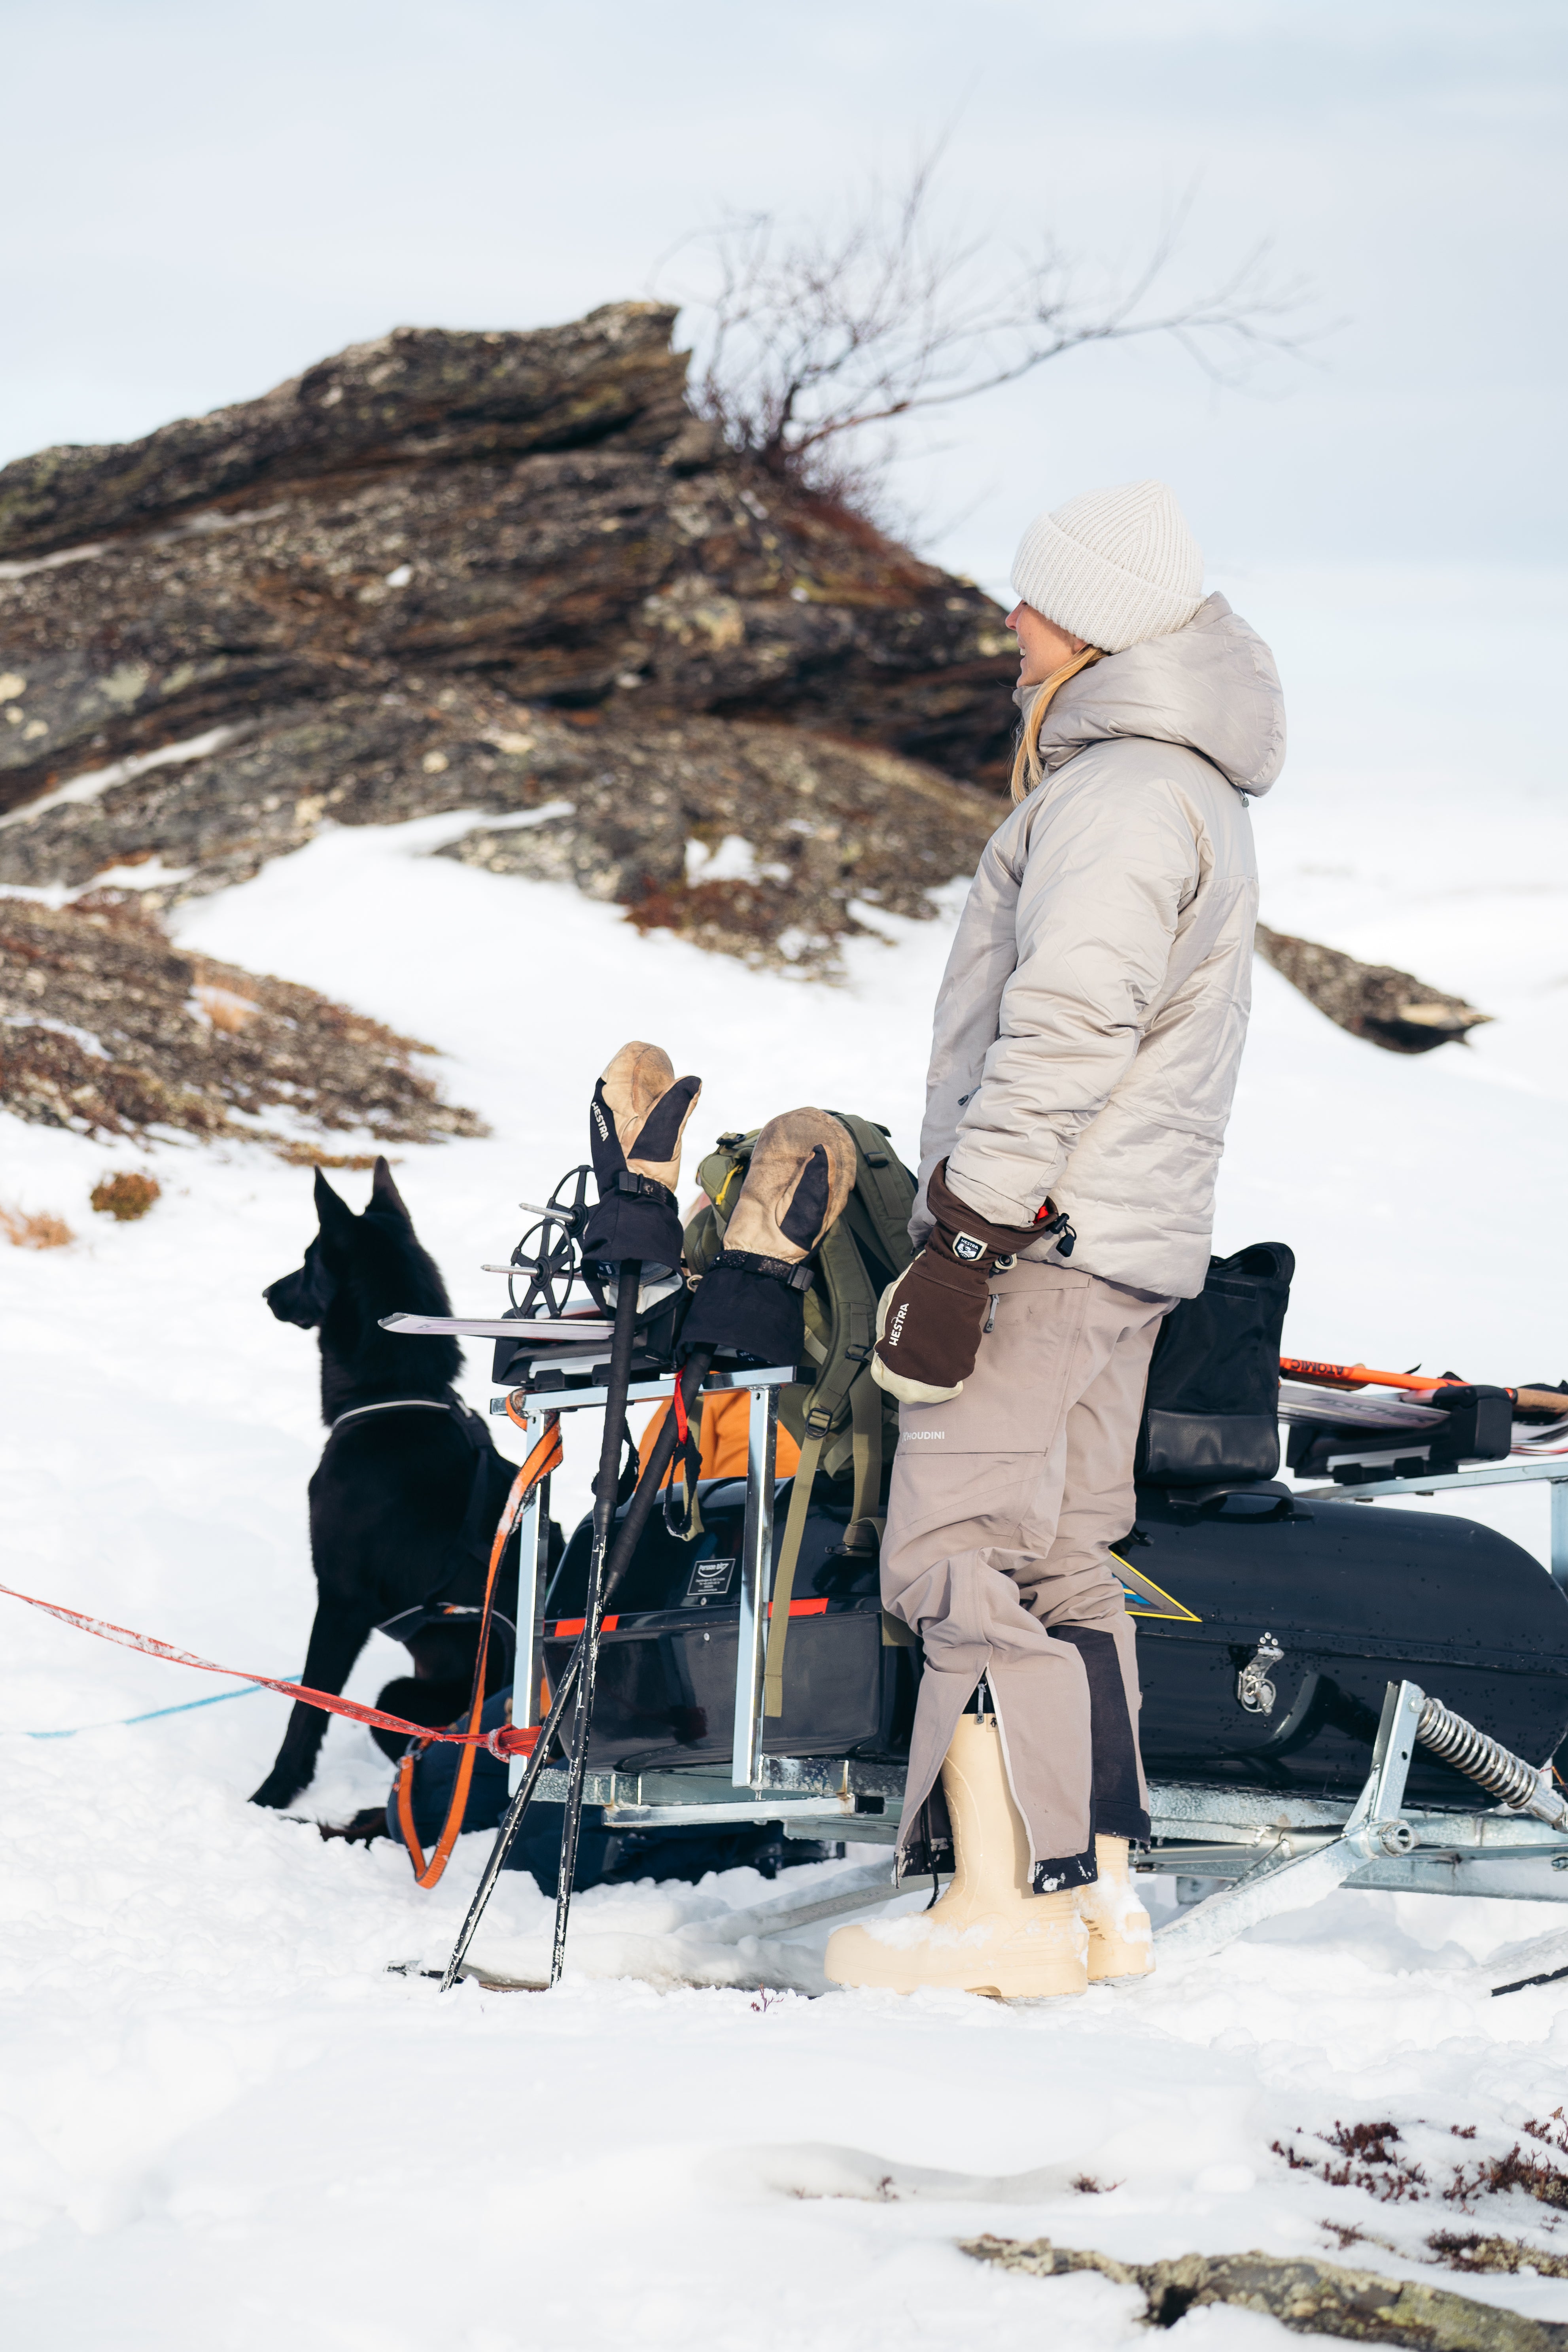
(746, 1770)
(1267, 1852)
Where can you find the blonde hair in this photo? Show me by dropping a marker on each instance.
(1027, 766)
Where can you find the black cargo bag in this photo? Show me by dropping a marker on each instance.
(1212, 1410)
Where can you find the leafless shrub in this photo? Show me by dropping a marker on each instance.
(1371, 2157)
(1347, 2237)
(1495, 2175)
(811, 339)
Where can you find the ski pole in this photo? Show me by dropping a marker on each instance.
(639, 1511)
(1362, 1376)
(615, 1387)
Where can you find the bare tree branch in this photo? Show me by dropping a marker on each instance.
(810, 336)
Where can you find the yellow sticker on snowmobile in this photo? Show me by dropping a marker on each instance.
(1145, 1597)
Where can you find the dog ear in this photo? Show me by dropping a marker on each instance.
(336, 1217)
(384, 1195)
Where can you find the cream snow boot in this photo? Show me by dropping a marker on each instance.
(1121, 1939)
(988, 1933)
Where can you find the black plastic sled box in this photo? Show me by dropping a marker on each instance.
(665, 1691)
(1268, 1629)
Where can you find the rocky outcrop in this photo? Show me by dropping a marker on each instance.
(489, 572)
(1307, 2296)
(1388, 1008)
(107, 1029)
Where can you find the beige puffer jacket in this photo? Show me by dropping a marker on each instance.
(1091, 1016)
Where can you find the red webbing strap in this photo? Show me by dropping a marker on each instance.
(504, 1740)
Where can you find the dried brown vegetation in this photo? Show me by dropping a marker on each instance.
(1371, 2157)
(1374, 2156)
(34, 1229)
(104, 1033)
(125, 1196)
(310, 1155)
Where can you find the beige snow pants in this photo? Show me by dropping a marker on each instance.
(1004, 1502)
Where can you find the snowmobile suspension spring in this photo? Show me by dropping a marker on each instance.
(1497, 1767)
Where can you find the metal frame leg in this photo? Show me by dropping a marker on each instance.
(756, 1582)
(1559, 1551)
(532, 1537)
(1384, 1796)
(1288, 1878)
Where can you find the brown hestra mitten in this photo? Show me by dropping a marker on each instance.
(928, 1322)
(751, 1300)
(635, 1124)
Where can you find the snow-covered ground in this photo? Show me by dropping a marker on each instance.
(223, 2120)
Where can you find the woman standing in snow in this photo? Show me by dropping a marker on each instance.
(1084, 1057)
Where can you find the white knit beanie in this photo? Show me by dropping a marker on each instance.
(1112, 567)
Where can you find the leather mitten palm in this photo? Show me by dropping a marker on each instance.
(751, 1301)
(928, 1322)
(635, 1124)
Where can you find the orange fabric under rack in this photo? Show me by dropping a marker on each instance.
(721, 1437)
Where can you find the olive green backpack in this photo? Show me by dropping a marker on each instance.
(843, 1421)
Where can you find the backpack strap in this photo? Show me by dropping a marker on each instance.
(784, 1579)
(885, 1186)
(843, 1375)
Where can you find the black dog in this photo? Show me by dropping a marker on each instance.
(406, 1499)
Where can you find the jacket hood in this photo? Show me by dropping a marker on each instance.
(1211, 686)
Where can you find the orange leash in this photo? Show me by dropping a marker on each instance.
(545, 1458)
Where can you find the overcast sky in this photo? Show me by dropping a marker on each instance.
(197, 200)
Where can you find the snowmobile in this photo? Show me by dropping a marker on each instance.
(1332, 1695)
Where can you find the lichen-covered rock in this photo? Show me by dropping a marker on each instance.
(1311, 2298)
(753, 840)
(510, 574)
(516, 520)
(107, 1028)
(1389, 1008)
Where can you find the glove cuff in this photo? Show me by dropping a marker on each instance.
(627, 1185)
(748, 1310)
(955, 1219)
(636, 1218)
(777, 1269)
